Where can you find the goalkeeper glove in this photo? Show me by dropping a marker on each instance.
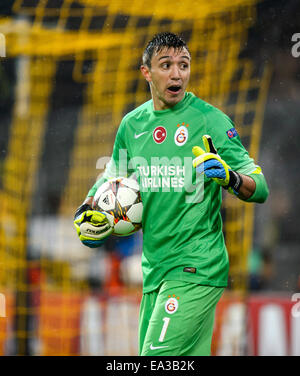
(92, 226)
(214, 167)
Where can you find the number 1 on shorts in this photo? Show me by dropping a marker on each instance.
(164, 329)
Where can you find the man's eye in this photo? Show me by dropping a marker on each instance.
(165, 65)
(184, 66)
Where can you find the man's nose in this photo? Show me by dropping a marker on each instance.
(175, 73)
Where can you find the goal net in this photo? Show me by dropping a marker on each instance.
(74, 68)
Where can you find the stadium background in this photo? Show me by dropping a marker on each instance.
(70, 73)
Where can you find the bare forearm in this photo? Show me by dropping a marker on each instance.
(247, 188)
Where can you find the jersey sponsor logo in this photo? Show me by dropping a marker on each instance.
(157, 347)
(139, 134)
(181, 135)
(232, 133)
(159, 134)
(171, 305)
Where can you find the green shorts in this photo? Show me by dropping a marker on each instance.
(178, 319)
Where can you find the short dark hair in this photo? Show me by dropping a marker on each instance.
(160, 41)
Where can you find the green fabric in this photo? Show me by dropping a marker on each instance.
(261, 190)
(181, 227)
(181, 328)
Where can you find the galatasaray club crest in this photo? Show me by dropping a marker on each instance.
(181, 135)
(159, 134)
(171, 305)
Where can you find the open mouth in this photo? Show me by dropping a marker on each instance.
(174, 89)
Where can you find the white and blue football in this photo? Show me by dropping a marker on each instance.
(121, 201)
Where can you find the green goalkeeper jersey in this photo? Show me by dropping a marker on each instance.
(182, 225)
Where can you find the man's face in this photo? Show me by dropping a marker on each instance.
(168, 76)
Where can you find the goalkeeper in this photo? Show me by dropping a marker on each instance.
(184, 260)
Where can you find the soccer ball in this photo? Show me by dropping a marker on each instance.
(121, 201)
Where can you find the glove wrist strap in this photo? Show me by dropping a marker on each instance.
(81, 209)
(235, 180)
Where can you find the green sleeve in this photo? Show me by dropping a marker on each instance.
(231, 150)
(234, 154)
(118, 164)
(261, 190)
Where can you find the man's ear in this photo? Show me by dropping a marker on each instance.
(146, 72)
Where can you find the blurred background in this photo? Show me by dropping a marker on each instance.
(69, 71)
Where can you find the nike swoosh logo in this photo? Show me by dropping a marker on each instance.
(157, 347)
(140, 134)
